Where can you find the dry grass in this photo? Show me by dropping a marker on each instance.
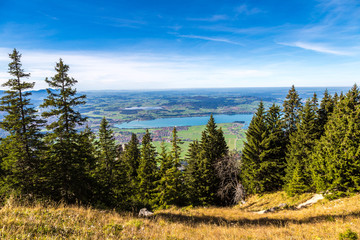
(324, 220)
(261, 202)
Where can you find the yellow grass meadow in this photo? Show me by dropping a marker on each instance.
(324, 220)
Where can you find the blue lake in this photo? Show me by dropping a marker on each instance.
(185, 121)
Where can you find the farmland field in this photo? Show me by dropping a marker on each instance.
(233, 132)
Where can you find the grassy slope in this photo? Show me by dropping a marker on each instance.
(324, 220)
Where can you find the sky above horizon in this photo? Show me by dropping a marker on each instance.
(160, 44)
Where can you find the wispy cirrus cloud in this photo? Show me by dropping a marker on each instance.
(334, 21)
(122, 22)
(339, 10)
(247, 10)
(213, 39)
(317, 48)
(213, 18)
(247, 31)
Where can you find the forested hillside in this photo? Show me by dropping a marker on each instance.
(300, 146)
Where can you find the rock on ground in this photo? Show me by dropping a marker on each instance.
(145, 213)
(314, 199)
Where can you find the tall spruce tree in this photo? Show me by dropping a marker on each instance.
(336, 158)
(192, 174)
(213, 147)
(147, 172)
(107, 166)
(291, 111)
(272, 169)
(23, 145)
(302, 141)
(170, 186)
(325, 110)
(89, 153)
(131, 159)
(253, 152)
(68, 179)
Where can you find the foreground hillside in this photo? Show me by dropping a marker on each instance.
(324, 220)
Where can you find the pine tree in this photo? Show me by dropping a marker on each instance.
(23, 145)
(272, 169)
(131, 159)
(325, 110)
(302, 141)
(170, 185)
(164, 160)
(66, 168)
(89, 149)
(89, 153)
(213, 147)
(147, 172)
(253, 152)
(192, 175)
(162, 191)
(107, 167)
(176, 149)
(292, 107)
(336, 159)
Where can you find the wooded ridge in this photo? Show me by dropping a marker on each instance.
(299, 147)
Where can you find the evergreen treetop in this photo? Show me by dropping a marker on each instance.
(23, 145)
(61, 103)
(291, 108)
(65, 166)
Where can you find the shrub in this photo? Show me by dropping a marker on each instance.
(348, 235)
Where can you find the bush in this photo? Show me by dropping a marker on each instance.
(348, 235)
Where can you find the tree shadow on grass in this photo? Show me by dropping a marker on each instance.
(261, 221)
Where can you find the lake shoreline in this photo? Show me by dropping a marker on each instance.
(185, 121)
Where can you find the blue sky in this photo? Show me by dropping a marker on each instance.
(142, 44)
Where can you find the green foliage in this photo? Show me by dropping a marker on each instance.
(192, 173)
(297, 183)
(212, 148)
(302, 141)
(147, 172)
(71, 165)
(170, 186)
(253, 152)
(336, 165)
(272, 170)
(348, 235)
(291, 108)
(109, 172)
(65, 167)
(326, 108)
(131, 159)
(21, 149)
(201, 178)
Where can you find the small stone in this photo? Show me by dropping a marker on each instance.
(145, 213)
(282, 205)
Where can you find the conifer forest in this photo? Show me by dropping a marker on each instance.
(300, 146)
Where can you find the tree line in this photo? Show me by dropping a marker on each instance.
(306, 147)
(300, 148)
(45, 156)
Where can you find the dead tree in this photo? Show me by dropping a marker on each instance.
(228, 169)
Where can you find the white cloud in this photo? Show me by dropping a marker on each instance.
(111, 71)
(245, 9)
(316, 48)
(213, 39)
(213, 18)
(99, 70)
